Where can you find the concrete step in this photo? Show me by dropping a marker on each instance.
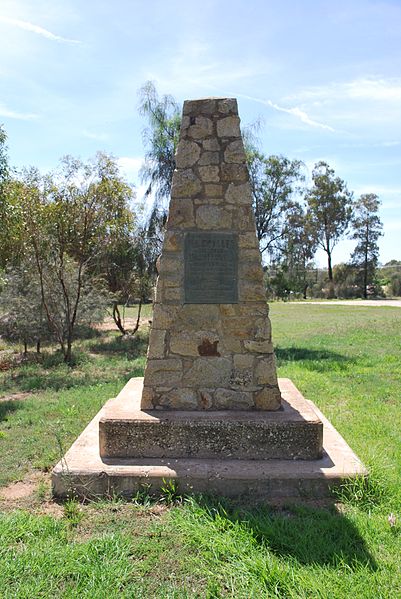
(84, 473)
(295, 432)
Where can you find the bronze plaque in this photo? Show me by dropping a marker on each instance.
(211, 268)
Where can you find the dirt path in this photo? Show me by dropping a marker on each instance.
(109, 325)
(15, 396)
(372, 303)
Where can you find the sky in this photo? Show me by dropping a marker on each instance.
(323, 78)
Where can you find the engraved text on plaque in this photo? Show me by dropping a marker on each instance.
(211, 268)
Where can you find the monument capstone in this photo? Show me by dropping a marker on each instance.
(209, 412)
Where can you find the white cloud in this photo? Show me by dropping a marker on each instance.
(95, 136)
(130, 165)
(12, 114)
(363, 88)
(27, 26)
(294, 111)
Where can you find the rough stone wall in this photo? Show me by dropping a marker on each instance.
(210, 356)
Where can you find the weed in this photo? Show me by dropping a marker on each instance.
(143, 496)
(73, 512)
(169, 493)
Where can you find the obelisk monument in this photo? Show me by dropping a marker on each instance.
(210, 344)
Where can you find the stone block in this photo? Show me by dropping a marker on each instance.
(228, 399)
(213, 218)
(269, 399)
(163, 372)
(203, 127)
(185, 184)
(214, 190)
(243, 362)
(164, 316)
(265, 371)
(235, 152)
(188, 153)
(208, 372)
(237, 173)
(259, 347)
(211, 145)
(209, 158)
(209, 174)
(228, 127)
(227, 106)
(172, 241)
(239, 194)
(156, 347)
(181, 214)
(195, 107)
(179, 399)
(196, 316)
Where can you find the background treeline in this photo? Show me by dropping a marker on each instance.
(74, 241)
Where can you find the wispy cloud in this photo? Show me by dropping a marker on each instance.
(27, 26)
(12, 114)
(294, 111)
(95, 136)
(362, 88)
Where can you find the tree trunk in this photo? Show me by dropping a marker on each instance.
(25, 348)
(138, 317)
(38, 346)
(117, 319)
(68, 351)
(305, 290)
(329, 267)
(365, 273)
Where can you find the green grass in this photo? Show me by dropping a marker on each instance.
(347, 360)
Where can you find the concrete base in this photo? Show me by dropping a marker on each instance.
(82, 472)
(126, 431)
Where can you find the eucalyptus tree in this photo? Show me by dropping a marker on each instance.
(367, 228)
(329, 208)
(274, 181)
(71, 218)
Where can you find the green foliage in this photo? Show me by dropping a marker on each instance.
(273, 180)
(329, 207)
(365, 492)
(22, 316)
(169, 493)
(366, 230)
(160, 140)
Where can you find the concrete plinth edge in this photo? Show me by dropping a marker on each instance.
(83, 473)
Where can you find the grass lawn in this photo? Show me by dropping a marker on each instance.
(346, 359)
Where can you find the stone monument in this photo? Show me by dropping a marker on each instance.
(210, 344)
(210, 412)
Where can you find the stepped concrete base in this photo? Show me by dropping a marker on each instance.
(293, 433)
(84, 473)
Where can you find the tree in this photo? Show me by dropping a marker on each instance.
(273, 182)
(130, 273)
(70, 218)
(299, 247)
(367, 228)
(330, 209)
(161, 139)
(22, 318)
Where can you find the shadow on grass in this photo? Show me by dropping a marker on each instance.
(131, 347)
(6, 407)
(313, 359)
(308, 534)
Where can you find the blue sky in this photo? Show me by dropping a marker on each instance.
(323, 76)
